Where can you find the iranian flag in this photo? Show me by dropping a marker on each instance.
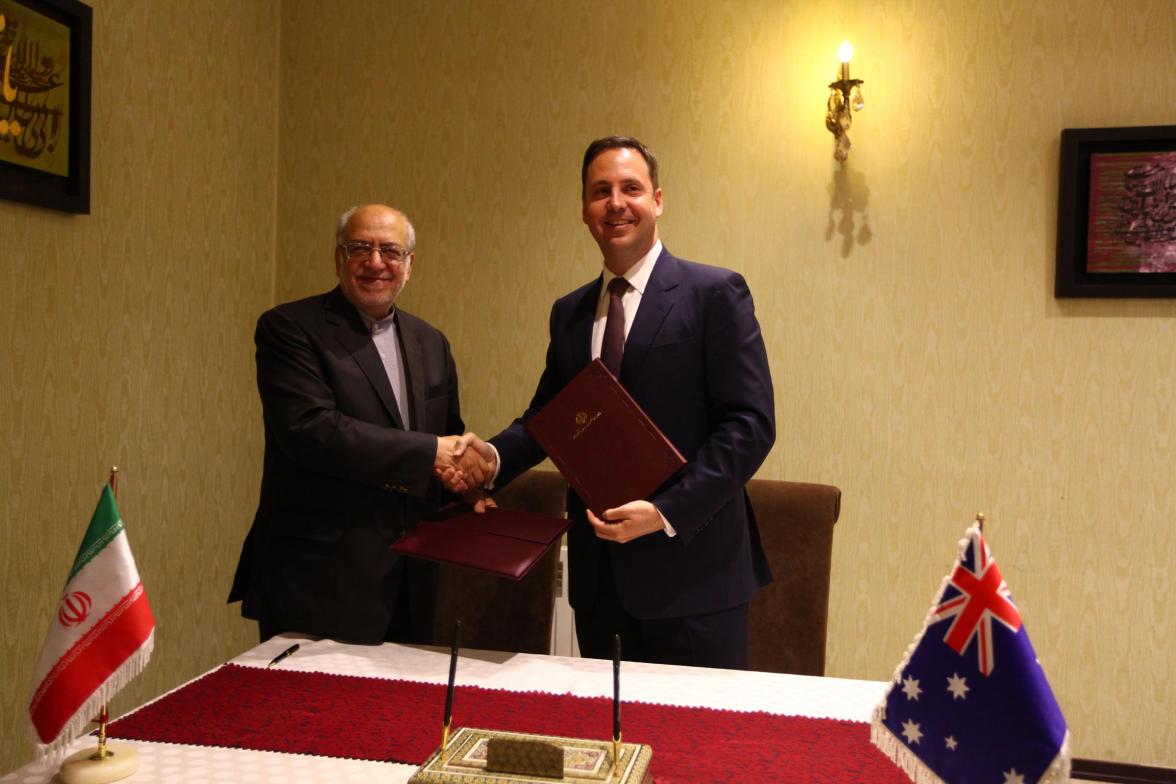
(100, 638)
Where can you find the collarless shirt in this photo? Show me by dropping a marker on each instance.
(386, 337)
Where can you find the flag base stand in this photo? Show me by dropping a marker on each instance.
(86, 767)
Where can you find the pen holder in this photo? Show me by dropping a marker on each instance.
(525, 756)
(467, 759)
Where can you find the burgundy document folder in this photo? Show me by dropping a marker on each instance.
(506, 542)
(608, 449)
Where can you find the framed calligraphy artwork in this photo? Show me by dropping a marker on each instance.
(45, 49)
(1117, 213)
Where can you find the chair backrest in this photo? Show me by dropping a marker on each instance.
(788, 619)
(499, 614)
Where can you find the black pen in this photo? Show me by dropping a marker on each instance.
(288, 652)
(616, 743)
(616, 687)
(449, 691)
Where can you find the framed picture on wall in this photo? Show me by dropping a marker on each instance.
(45, 48)
(1117, 213)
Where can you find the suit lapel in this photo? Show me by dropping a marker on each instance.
(349, 330)
(580, 327)
(656, 303)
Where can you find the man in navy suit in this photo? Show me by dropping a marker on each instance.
(360, 404)
(672, 573)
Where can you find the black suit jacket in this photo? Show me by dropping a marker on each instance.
(342, 477)
(695, 362)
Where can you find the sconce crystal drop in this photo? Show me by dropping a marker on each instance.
(845, 98)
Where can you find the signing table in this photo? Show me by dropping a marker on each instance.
(340, 701)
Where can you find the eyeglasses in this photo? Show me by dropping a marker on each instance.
(360, 251)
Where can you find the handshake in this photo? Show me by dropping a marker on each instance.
(465, 464)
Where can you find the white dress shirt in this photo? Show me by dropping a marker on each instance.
(638, 277)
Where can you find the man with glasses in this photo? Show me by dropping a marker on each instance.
(360, 405)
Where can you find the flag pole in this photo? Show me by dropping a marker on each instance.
(102, 753)
(980, 521)
(103, 715)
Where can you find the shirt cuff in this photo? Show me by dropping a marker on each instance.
(669, 529)
(489, 484)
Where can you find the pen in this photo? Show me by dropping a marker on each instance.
(616, 744)
(449, 691)
(288, 652)
(452, 673)
(616, 687)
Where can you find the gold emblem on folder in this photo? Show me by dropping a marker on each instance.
(584, 421)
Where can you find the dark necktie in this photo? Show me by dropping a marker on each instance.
(612, 348)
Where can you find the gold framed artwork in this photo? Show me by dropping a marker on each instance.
(45, 53)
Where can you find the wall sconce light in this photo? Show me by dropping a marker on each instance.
(841, 105)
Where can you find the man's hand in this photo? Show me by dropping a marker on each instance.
(477, 460)
(627, 522)
(464, 462)
(449, 449)
(479, 499)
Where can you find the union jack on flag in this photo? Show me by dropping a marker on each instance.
(976, 595)
(954, 715)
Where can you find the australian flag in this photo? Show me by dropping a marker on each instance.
(971, 702)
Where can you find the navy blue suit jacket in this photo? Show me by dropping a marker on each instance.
(695, 362)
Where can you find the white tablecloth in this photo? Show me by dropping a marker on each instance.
(798, 695)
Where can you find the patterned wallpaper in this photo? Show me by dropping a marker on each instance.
(920, 360)
(128, 338)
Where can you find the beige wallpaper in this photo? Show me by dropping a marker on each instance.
(920, 359)
(128, 338)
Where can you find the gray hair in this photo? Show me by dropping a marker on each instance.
(346, 216)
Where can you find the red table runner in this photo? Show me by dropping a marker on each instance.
(400, 721)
